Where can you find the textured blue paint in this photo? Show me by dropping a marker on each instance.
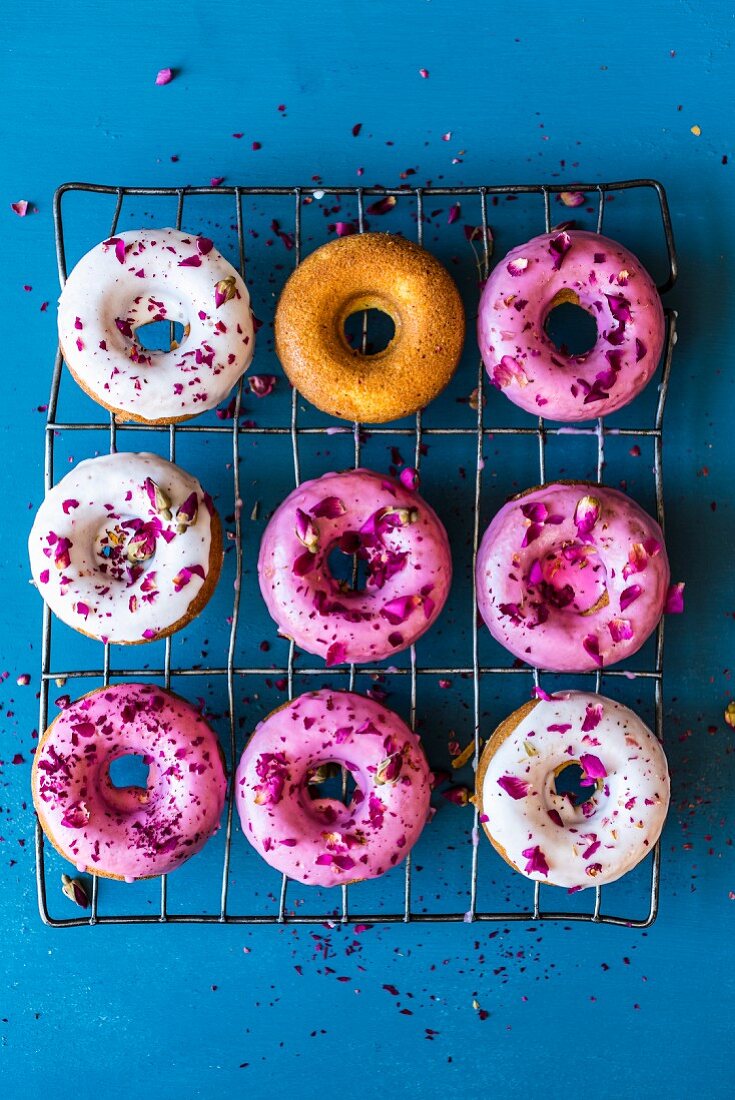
(608, 92)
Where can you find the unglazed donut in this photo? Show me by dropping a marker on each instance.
(126, 548)
(392, 529)
(548, 836)
(147, 275)
(606, 280)
(572, 576)
(128, 832)
(320, 841)
(370, 271)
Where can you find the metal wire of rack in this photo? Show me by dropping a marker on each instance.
(293, 431)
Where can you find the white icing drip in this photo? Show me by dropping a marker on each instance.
(101, 495)
(105, 301)
(625, 815)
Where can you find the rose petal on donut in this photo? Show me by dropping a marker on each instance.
(307, 531)
(675, 599)
(191, 261)
(640, 350)
(620, 629)
(389, 769)
(76, 816)
(187, 513)
(592, 766)
(224, 291)
(536, 861)
(507, 371)
(515, 787)
(396, 611)
(629, 595)
(336, 654)
(119, 245)
(517, 267)
(184, 575)
(591, 646)
(541, 694)
(409, 478)
(586, 514)
(637, 560)
(329, 508)
(204, 245)
(592, 717)
(558, 248)
(69, 505)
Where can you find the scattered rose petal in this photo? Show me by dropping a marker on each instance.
(586, 514)
(592, 718)
(512, 785)
(536, 861)
(592, 766)
(336, 654)
(262, 384)
(164, 76)
(20, 208)
(629, 595)
(517, 267)
(558, 248)
(620, 629)
(592, 648)
(572, 198)
(382, 206)
(675, 599)
(409, 478)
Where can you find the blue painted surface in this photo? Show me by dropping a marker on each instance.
(526, 95)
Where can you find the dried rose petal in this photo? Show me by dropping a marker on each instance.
(541, 694)
(454, 212)
(262, 384)
(629, 595)
(307, 531)
(558, 248)
(675, 599)
(76, 816)
(119, 244)
(382, 206)
(224, 291)
(586, 514)
(74, 890)
(164, 76)
(517, 267)
(396, 611)
(536, 861)
(592, 766)
(160, 500)
(20, 208)
(204, 245)
(336, 654)
(409, 478)
(572, 198)
(508, 370)
(620, 629)
(187, 513)
(730, 714)
(389, 769)
(458, 796)
(345, 229)
(329, 508)
(515, 787)
(591, 646)
(637, 560)
(592, 717)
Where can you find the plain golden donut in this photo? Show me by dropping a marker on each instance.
(360, 272)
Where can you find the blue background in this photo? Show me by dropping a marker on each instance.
(528, 94)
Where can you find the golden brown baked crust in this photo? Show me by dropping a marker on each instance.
(370, 271)
(496, 739)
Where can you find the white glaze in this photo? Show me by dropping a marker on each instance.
(96, 497)
(104, 301)
(625, 815)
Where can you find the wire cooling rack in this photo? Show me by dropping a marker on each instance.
(291, 434)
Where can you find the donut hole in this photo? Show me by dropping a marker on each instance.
(332, 782)
(129, 770)
(160, 335)
(349, 571)
(569, 326)
(570, 781)
(369, 331)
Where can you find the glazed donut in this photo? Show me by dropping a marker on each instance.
(391, 529)
(147, 275)
(608, 282)
(126, 548)
(128, 832)
(370, 271)
(550, 837)
(320, 841)
(572, 576)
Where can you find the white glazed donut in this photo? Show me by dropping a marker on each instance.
(545, 835)
(126, 548)
(147, 275)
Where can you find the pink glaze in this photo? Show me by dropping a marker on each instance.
(571, 577)
(389, 526)
(320, 841)
(609, 283)
(129, 832)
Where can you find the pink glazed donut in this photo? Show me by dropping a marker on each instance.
(128, 832)
(608, 282)
(572, 576)
(396, 534)
(321, 841)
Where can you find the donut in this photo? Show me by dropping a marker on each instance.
(552, 837)
(147, 275)
(390, 529)
(126, 548)
(607, 281)
(321, 841)
(128, 832)
(360, 272)
(572, 576)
